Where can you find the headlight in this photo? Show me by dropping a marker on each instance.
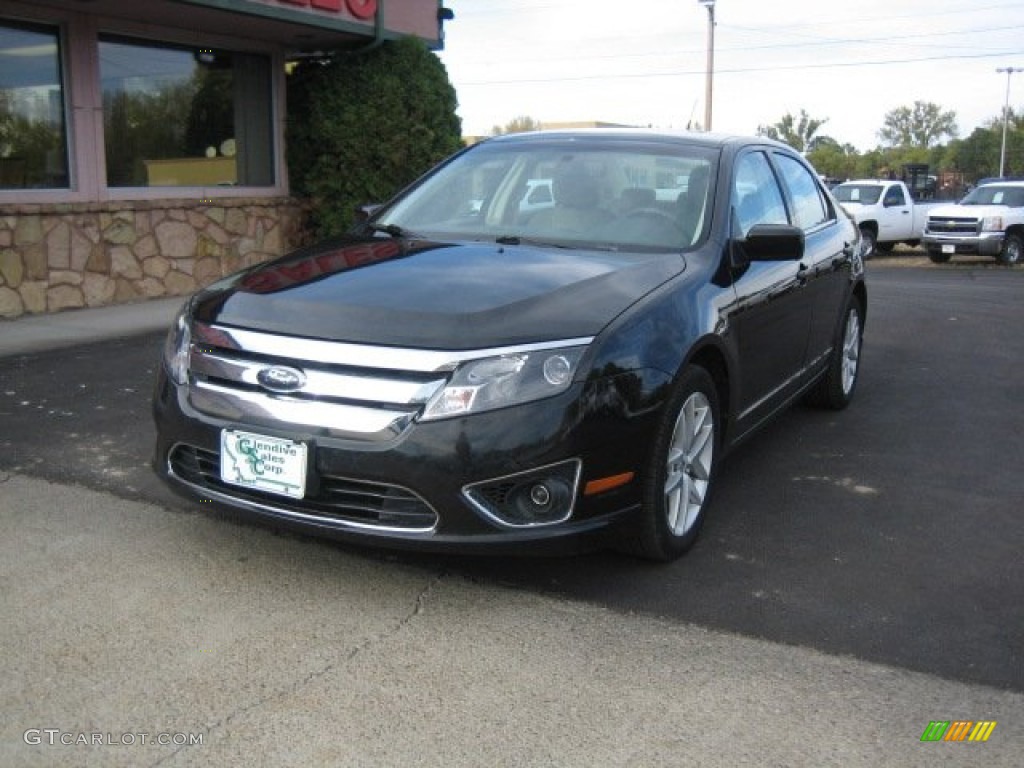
(176, 348)
(992, 224)
(510, 379)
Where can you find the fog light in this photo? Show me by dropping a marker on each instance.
(542, 496)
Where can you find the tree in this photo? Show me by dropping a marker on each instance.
(799, 133)
(521, 124)
(361, 126)
(922, 125)
(977, 156)
(832, 159)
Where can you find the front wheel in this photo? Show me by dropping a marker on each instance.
(937, 256)
(868, 242)
(1011, 252)
(680, 470)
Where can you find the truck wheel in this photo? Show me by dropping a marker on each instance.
(1011, 253)
(869, 243)
(937, 256)
(884, 247)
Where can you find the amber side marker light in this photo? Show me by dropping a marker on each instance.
(607, 483)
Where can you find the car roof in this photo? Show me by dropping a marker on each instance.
(719, 140)
(1001, 183)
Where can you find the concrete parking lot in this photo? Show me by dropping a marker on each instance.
(859, 579)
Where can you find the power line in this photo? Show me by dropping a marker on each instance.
(740, 70)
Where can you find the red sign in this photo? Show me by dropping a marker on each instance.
(361, 9)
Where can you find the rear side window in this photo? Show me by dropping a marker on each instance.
(809, 207)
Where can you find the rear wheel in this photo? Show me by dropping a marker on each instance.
(836, 388)
(1011, 252)
(681, 470)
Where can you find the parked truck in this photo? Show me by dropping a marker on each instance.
(989, 222)
(885, 212)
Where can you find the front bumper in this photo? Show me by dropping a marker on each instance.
(984, 243)
(434, 485)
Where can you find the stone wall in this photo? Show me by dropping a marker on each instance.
(64, 256)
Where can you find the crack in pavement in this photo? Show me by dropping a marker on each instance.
(417, 609)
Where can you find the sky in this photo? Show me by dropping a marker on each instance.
(643, 62)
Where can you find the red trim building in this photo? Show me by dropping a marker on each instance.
(142, 143)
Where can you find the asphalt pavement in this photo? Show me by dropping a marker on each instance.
(124, 625)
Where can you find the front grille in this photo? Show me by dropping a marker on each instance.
(356, 393)
(336, 499)
(944, 225)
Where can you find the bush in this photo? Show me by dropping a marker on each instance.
(362, 126)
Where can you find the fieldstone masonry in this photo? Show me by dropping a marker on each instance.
(65, 256)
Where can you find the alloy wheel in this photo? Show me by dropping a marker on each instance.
(851, 351)
(689, 461)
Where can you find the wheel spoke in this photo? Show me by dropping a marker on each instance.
(676, 502)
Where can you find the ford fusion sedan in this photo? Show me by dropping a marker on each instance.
(462, 371)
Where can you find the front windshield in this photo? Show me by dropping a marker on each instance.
(996, 194)
(865, 194)
(618, 195)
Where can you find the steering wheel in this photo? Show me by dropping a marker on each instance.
(655, 213)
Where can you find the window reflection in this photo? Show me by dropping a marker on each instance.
(185, 117)
(33, 145)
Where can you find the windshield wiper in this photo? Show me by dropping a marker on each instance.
(573, 246)
(391, 229)
(520, 240)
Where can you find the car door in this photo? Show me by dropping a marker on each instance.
(829, 241)
(772, 317)
(896, 221)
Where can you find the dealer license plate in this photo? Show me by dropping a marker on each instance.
(949, 249)
(263, 463)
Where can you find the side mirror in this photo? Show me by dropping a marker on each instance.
(773, 242)
(364, 212)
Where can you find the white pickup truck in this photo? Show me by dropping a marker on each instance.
(989, 221)
(884, 211)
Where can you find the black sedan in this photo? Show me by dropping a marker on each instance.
(472, 368)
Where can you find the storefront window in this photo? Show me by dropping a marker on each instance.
(185, 117)
(33, 143)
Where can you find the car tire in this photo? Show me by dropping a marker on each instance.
(884, 247)
(1011, 251)
(869, 242)
(681, 470)
(836, 388)
(938, 257)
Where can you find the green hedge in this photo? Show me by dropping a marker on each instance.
(363, 125)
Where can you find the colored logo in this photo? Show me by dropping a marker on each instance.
(958, 730)
(278, 378)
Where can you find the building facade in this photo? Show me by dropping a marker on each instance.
(142, 143)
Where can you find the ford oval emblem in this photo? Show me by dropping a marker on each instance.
(278, 378)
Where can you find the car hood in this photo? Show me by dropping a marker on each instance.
(435, 295)
(858, 210)
(970, 211)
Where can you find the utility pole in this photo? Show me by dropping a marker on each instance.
(710, 77)
(1006, 113)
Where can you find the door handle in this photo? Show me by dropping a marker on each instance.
(802, 274)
